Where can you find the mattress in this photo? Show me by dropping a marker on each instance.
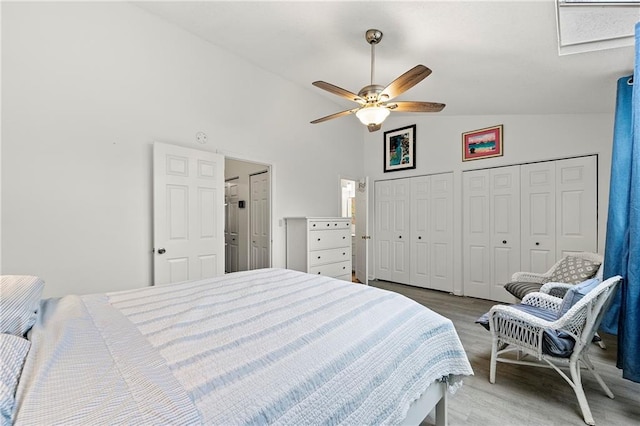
(270, 346)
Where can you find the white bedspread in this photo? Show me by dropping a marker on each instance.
(259, 347)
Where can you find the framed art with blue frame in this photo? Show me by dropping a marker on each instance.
(400, 149)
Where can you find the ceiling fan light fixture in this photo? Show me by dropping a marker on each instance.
(372, 115)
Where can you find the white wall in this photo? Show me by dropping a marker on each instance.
(527, 138)
(87, 87)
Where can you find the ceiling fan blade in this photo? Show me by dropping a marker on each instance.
(412, 106)
(405, 82)
(336, 115)
(339, 91)
(374, 127)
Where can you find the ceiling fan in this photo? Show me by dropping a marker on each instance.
(374, 100)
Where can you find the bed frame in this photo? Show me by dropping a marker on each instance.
(433, 399)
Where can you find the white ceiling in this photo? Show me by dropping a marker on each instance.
(487, 57)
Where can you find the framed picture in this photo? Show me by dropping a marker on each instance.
(400, 149)
(483, 143)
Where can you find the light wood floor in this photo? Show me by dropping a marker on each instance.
(526, 396)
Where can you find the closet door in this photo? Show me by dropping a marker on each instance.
(392, 230)
(491, 231)
(576, 199)
(420, 231)
(538, 234)
(505, 229)
(476, 234)
(441, 232)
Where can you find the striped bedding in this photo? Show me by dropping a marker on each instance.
(270, 346)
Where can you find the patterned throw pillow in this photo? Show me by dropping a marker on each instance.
(574, 270)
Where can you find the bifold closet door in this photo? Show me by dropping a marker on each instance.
(491, 230)
(538, 183)
(432, 231)
(559, 211)
(576, 199)
(392, 237)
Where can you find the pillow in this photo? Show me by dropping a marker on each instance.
(575, 293)
(19, 301)
(13, 351)
(574, 269)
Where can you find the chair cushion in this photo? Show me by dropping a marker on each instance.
(554, 343)
(574, 269)
(521, 289)
(575, 293)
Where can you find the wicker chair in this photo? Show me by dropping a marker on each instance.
(513, 330)
(571, 269)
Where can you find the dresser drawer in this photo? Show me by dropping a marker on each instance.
(319, 225)
(332, 269)
(321, 240)
(321, 257)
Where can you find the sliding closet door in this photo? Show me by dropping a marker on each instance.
(576, 199)
(392, 230)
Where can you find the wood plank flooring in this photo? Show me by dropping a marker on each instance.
(523, 396)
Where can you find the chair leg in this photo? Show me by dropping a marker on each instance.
(574, 367)
(494, 356)
(591, 368)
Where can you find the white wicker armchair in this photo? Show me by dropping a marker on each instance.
(523, 283)
(513, 330)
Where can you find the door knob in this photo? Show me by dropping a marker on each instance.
(161, 251)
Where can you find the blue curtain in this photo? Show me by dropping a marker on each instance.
(622, 250)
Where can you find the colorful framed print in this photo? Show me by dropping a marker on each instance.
(400, 149)
(482, 143)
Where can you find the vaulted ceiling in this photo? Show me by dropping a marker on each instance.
(487, 57)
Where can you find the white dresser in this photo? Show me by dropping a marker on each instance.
(320, 245)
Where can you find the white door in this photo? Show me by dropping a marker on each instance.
(504, 214)
(260, 232)
(188, 207)
(441, 232)
(476, 256)
(231, 231)
(392, 230)
(362, 231)
(576, 201)
(538, 201)
(420, 231)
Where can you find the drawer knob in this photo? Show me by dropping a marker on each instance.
(328, 224)
(537, 244)
(318, 273)
(318, 239)
(504, 241)
(318, 257)
(400, 237)
(344, 238)
(420, 237)
(344, 254)
(314, 225)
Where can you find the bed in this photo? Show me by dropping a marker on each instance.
(270, 346)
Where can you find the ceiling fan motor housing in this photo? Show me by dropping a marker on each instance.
(370, 93)
(373, 36)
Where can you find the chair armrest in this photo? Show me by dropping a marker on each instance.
(556, 289)
(506, 312)
(530, 277)
(543, 300)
